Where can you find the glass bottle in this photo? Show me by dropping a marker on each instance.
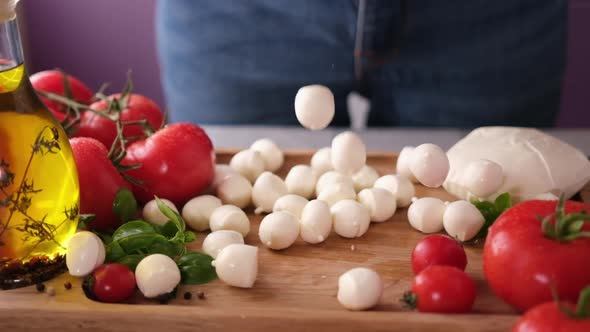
(39, 193)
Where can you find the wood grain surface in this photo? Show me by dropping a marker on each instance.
(295, 290)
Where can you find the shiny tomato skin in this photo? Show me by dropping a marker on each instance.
(52, 81)
(113, 283)
(177, 163)
(521, 264)
(438, 250)
(444, 289)
(547, 317)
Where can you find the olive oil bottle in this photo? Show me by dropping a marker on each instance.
(39, 193)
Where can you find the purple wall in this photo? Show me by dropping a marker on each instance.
(99, 40)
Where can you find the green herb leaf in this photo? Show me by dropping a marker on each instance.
(189, 236)
(133, 227)
(171, 215)
(165, 247)
(503, 202)
(84, 220)
(169, 229)
(131, 260)
(125, 205)
(196, 268)
(491, 212)
(114, 252)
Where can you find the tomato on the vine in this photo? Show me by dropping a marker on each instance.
(53, 81)
(112, 283)
(438, 250)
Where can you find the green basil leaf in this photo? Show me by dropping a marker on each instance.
(124, 205)
(189, 236)
(133, 227)
(137, 243)
(195, 268)
(131, 260)
(503, 202)
(114, 252)
(169, 229)
(576, 226)
(171, 215)
(164, 247)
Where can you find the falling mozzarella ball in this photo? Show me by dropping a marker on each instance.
(301, 180)
(152, 214)
(229, 217)
(380, 203)
(365, 178)
(197, 211)
(316, 222)
(402, 166)
(359, 289)
(157, 275)
(462, 220)
(85, 252)
(430, 165)
(332, 177)
(215, 241)
(267, 189)
(426, 214)
(402, 189)
(271, 154)
(351, 219)
(249, 163)
(293, 204)
(222, 172)
(348, 153)
(237, 265)
(336, 192)
(321, 161)
(278, 230)
(483, 177)
(235, 190)
(314, 106)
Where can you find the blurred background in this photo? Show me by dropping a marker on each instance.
(98, 41)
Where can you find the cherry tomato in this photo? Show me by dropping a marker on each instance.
(113, 283)
(549, 317)
(52, 81)
(438, 250)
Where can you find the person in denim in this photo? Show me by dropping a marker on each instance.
(455, 63)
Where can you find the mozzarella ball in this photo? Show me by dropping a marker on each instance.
(222, 172)
(235, 190)
(249, 163)
(483, 177)
(278, 230)
(321, 161)
(365, 178)
(267, 189)
(229, 217)
(314, 106)
(293, 204)
(237, 265)
(332, 177)
(271, 154)
(315, 222)
(546, 197)
(380, 203)
(348, 153)
(157, 275)
(402, 166)
(402, 189)
(197, 211)
(462, 220)
(301, 180)
(336, 192)
(359, 289)
(351, 219)
(85, 252)
(430, 165)
(152, 214)
(215, 241)
(426, 214)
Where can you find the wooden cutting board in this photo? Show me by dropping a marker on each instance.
(295, 290)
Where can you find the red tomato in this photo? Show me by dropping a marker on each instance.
(99, 182)
(548, 317)
(113, 283)
(438, 250)
(521, 264)
(177, 163)
(52, 81)
(442, 289)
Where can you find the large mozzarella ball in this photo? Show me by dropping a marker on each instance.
(359, 289)
(351, 219)
(301, 180)
(483, 177)
(271, 154)
(235, 190)
(315, 222)
(249, 163)
(85, 252)
(402, 189)
(426, 214)
(336, 192)
(237, 265)
(314, 106)
(152, 214)
(197, 211)
(365, 178)
(462, 220)
(348, 153)
(267, 189)
(222, 172)
(332, 177)
(430, 165)
(278, 230)
(402, 166)
(321, 161)
(215, 241)
(156, 275)
(229, 217)
(293, 204)
(380, 203)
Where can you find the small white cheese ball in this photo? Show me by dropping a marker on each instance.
(152, 214)
(359, 289)
(235, 190)
(301, 180)
(222, 172)
(402, 166)
(321, 161)
(229, 217)
(215, 241)
(402, 189)
(329, 178)
(365, 178)
(197, 211)
(483, 177)
(267, 189)
(278, 230)
(314, 106)
(351, 219)
(336, 192)
(85, 252)
(293, 204)
(348, 153)
(315, 222)
(430, 165)
(426, 214)
(380, 203)
(249, 163)
(462, 220)
(237, 265)
(271, 154)
(157, 275)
